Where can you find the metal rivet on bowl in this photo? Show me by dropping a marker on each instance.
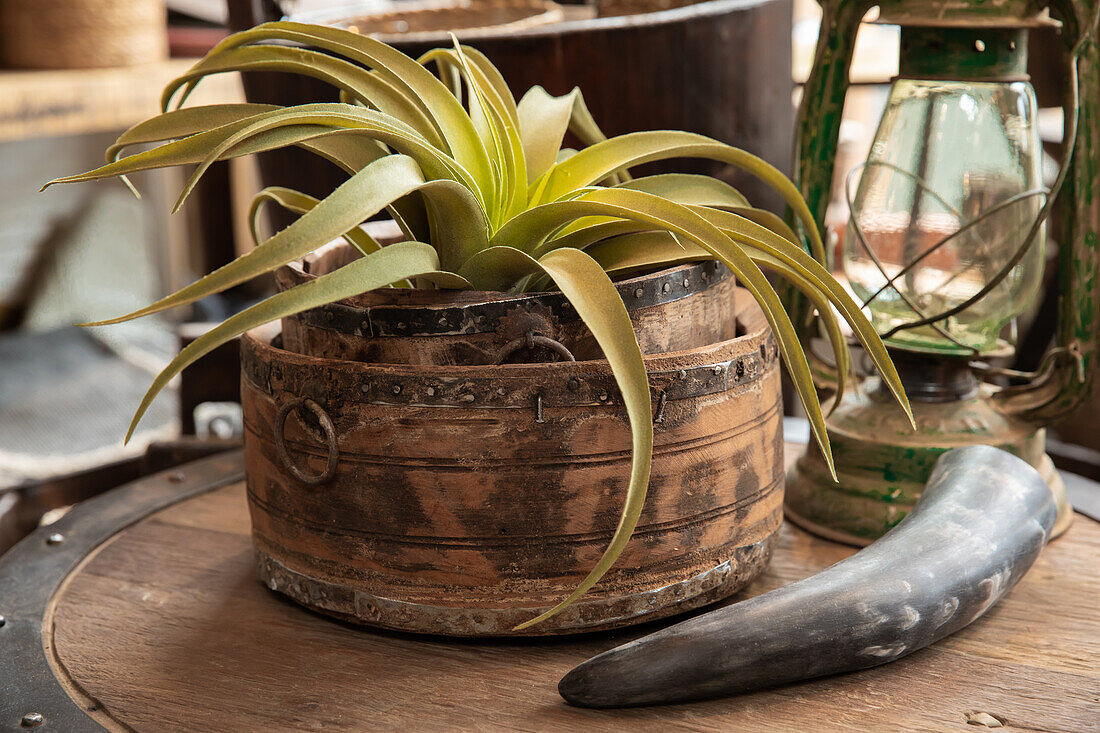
(683, 374)
(467, 398)
(431, 391)
(32, 720)
(397, 389)
(686, 282)
(55, 539)
(666, 287)
(718, 369)
(574, 384)
(639, 292)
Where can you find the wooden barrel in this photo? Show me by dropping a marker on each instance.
(674, 309)
(465, 500)
(140, 611)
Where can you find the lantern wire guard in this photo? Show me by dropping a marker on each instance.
(933, 320)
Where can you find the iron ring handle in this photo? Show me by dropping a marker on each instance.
(330, 440)
(530, 340)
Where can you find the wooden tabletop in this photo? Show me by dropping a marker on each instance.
(166, 627)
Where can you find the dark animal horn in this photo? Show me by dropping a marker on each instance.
(977, 528)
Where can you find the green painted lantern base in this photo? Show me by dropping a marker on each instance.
(882, 464)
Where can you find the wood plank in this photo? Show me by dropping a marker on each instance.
(81, 101)
(168, 629)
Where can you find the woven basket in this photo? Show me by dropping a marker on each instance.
(430, 20)
(80, 34)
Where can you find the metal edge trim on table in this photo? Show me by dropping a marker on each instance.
(31, 572)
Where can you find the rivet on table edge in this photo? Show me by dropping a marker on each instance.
(32, 720)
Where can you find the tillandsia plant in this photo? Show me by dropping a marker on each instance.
(487, 199)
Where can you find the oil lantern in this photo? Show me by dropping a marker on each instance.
(944, 246)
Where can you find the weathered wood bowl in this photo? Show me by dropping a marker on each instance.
(430, 20)
(463, 500)
(674, 309)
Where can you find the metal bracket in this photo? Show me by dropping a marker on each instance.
(330, 441)
(530, 340)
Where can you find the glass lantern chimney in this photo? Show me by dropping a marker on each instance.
(950, 191)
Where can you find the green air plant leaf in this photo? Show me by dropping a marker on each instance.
(688, 189)
(640, 252)
(287, 125)
(181, 123)
(596, 162)
(378, 269)
(356, 82)
(543, 122)
(350, 154)
(301, 203)
(362, 196)
(501, 205)
(754, 235)
(404, 73)
(496, 117)
(590, 290)
(279, 128)
(533, 227)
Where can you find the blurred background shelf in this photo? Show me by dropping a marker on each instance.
(36, 104)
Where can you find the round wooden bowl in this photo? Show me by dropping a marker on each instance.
(675, 309)
(466, 500)
(432, 20)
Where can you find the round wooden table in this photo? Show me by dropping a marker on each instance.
(141, 610)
